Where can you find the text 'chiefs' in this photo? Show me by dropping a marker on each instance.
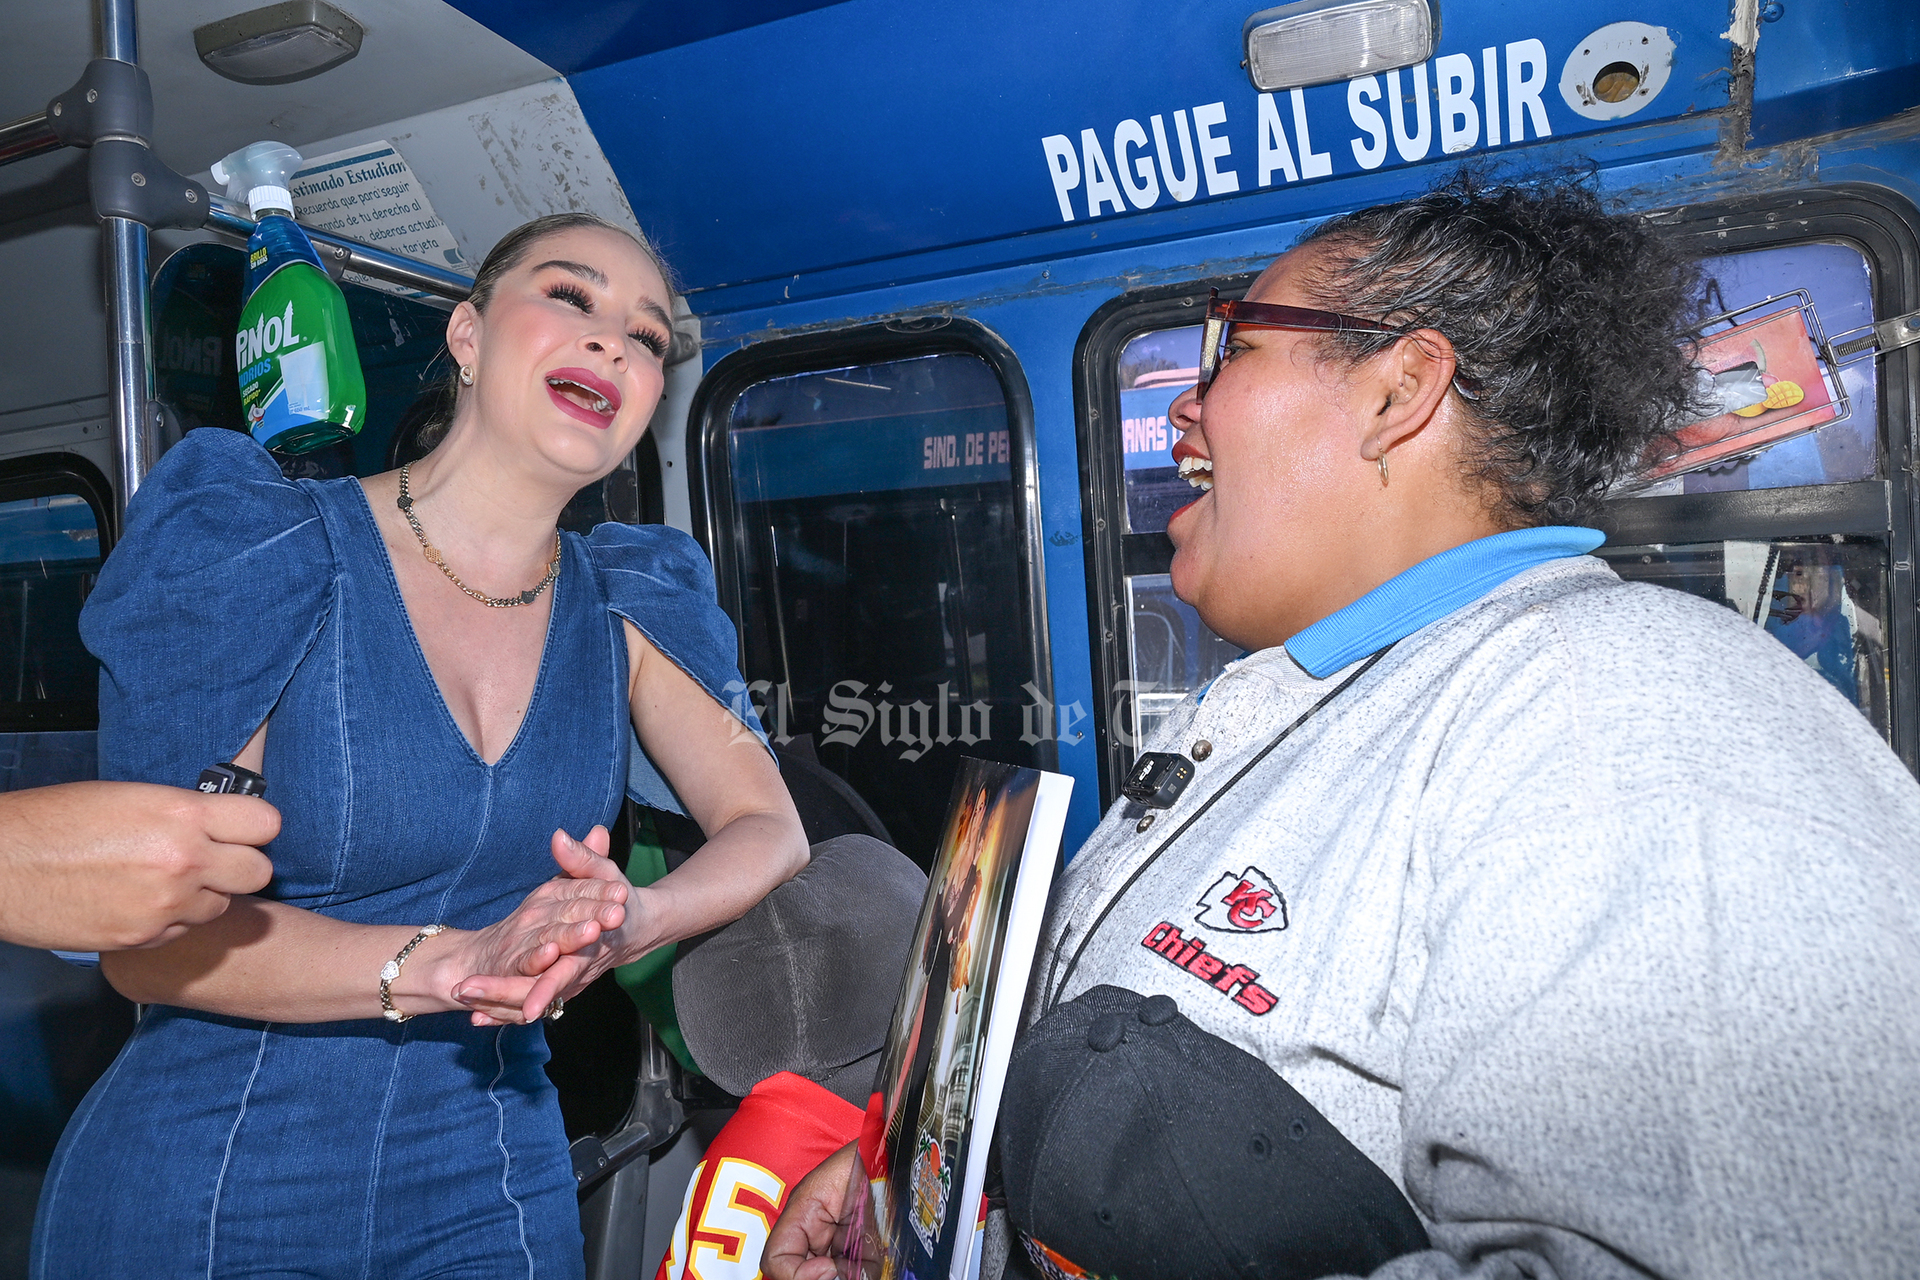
(1192, 955)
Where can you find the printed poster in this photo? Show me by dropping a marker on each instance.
(1767, 380)
(923, 1154)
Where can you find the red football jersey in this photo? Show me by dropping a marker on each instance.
(785, 1127)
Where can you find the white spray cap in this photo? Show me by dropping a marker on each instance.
(259, 174)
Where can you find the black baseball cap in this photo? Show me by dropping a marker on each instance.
(1134, 1144)
(805, 981)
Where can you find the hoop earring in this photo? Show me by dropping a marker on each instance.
(466, 375)
(1383, 468)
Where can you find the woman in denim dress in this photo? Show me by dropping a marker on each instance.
(443, 691)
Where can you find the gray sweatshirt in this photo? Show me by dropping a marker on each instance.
(1590, 914)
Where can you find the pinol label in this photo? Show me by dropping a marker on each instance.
(268, 335)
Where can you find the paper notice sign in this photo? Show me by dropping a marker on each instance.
(369, 193)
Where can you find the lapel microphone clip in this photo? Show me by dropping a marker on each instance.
(1157, 779)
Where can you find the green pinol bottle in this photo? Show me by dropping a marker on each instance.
(300, 382)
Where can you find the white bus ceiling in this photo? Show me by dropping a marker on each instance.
(492, 132)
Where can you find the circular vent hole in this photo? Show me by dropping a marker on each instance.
(1616, 82)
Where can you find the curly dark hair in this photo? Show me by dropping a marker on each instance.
(1572, 327)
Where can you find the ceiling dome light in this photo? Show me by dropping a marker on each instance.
(1320, 41)
(280, 43)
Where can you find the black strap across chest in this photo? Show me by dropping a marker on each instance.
(1055, 989)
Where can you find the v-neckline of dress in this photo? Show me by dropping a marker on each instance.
(420, 652)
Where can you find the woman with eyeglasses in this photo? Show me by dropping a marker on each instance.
(1484, 856)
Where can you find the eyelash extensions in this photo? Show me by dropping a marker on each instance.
(575, 295)
(571, 293)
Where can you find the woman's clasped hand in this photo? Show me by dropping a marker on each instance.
(555, 943)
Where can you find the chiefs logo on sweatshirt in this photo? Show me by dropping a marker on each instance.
(1246, 902)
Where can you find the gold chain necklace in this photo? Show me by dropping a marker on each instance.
(432, 553)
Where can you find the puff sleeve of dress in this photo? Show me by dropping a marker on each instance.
(658, 578)
(214, 594)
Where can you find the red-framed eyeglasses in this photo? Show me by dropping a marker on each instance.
(1224, 313)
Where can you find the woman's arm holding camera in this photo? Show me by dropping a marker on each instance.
(281, 963)
(98, 866)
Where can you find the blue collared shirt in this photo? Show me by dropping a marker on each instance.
(1430, 591)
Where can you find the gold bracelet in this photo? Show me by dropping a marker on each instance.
(391, 970)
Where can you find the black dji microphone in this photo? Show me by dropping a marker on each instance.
(231, 779)
(1157, 779)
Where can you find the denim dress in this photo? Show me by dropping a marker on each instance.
(218, 1146)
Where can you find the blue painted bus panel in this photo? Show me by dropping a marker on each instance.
(909, 128)
(1823, 66)
(1040, 306)
(1660, 153)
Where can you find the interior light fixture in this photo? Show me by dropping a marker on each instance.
(1320, 41)
(280, 43)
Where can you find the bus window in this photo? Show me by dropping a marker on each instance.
(1823, 432)
(1135, 356)
(1154, 369)
(1802, 528)
(50, 552)
(1170, 652)
(870, 536)
(1825, 599)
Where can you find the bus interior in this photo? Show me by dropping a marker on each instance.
(942, 269)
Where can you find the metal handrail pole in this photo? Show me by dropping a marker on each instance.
(230, 218)
(28, 136)
(131, 324)
(119, 34)
(127, 316)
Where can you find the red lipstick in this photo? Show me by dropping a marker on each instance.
(602, 398)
